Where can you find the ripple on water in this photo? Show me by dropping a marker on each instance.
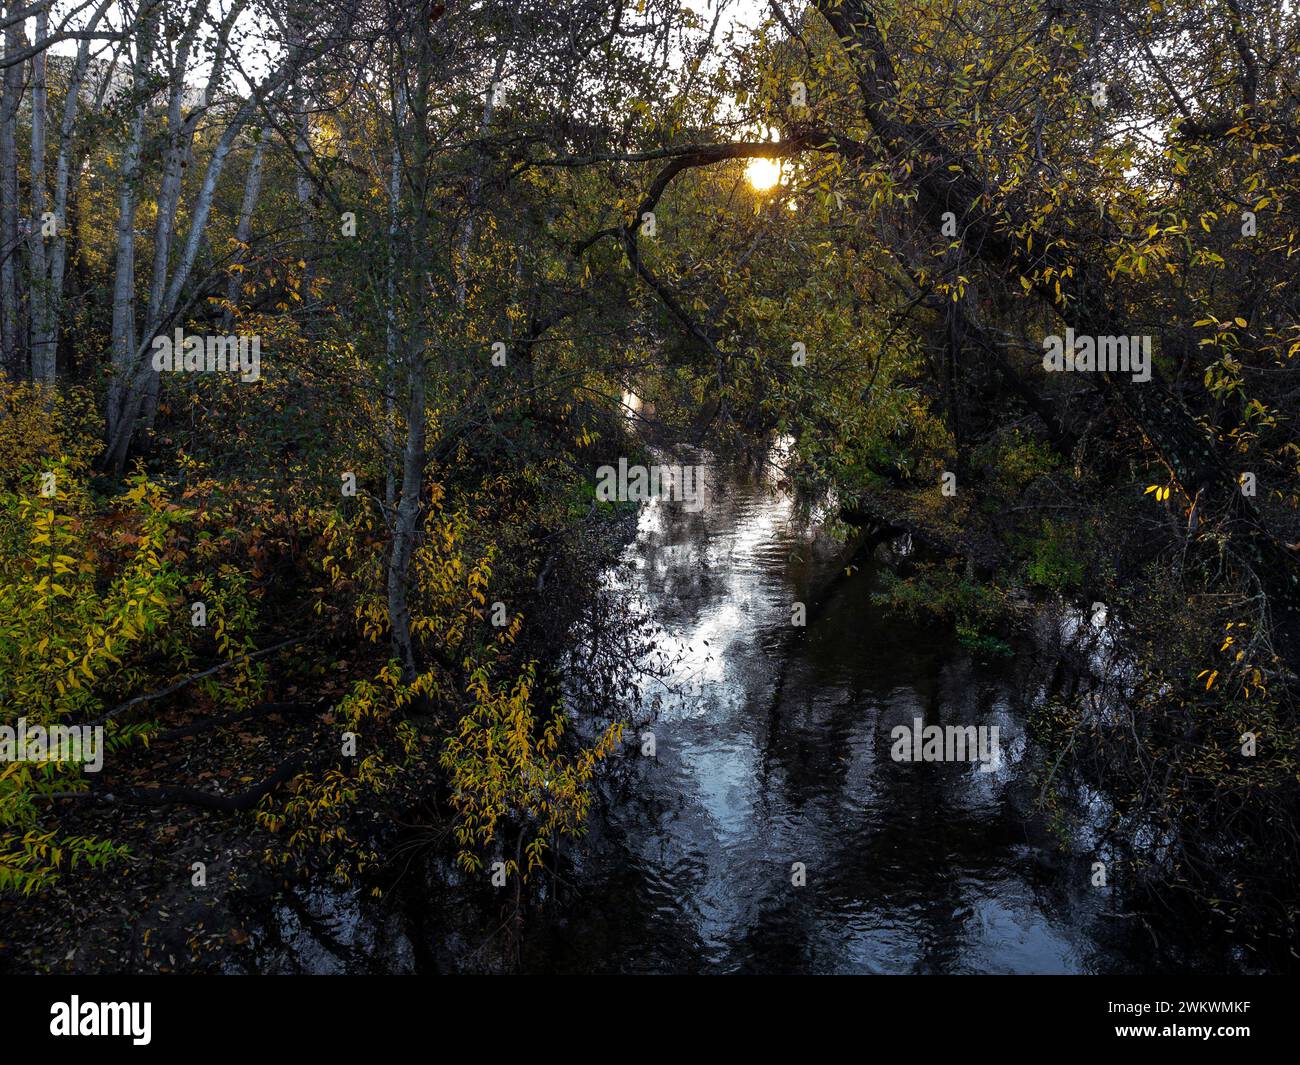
(775, 751)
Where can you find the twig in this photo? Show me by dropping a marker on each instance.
(184, 681)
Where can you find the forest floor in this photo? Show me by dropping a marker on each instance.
(146, 913)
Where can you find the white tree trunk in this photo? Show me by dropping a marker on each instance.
(244, 229)
(476, 178)
(10, 356)
(123, 328)
(59, 247)
(406, 520)
(390, 332)
(40, 296)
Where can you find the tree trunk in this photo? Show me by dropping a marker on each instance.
(58, 256)
(244, 228)
(40, 295)
(10, 355)
(390, 312)
(123, 328)
(406, 524)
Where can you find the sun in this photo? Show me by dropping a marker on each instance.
(763, 173)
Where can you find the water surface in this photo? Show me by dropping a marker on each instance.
(773, 748)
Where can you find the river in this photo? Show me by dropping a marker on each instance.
(772, 747)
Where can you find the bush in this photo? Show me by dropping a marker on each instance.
(1054, 563)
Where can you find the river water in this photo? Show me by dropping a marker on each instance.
(772, 747)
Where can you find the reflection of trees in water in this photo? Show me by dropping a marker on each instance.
(903, 862)
(914, 846)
